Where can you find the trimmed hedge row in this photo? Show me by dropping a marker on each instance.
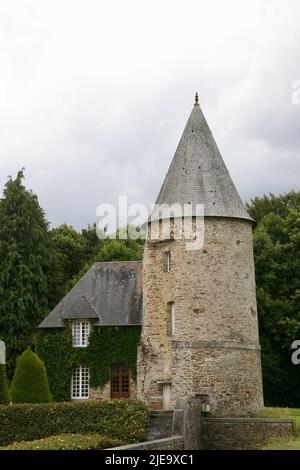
(126, 420)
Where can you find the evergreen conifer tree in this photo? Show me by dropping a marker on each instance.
(25, 264)
(30, 382)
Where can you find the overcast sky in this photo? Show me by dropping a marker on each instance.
(94, 95)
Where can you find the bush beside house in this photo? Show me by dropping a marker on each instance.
(125, 420)
(30, 383)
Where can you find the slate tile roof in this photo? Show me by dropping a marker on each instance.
(109, 293)
(198, 174)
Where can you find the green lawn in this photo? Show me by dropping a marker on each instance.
(292, 443)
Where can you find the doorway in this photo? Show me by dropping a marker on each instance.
(120, 381)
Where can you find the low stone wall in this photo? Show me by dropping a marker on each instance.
(160, 425)
(242, 433)
(169, 443)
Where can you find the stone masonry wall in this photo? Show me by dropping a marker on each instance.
(213, 433)
(228, 374)
(100, 393)
(160, 425)
(243, 433)
(214, 349)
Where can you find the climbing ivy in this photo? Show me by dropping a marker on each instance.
(108, 345)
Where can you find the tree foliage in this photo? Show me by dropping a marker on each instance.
(25, 267)
(111, 249)
(277, 266)
(30, 382)
(259, 207)
(68, 251)
(38, 266)
(4, 395)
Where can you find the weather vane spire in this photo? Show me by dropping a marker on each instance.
(196, 98)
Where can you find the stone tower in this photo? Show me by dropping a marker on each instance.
(200, 328)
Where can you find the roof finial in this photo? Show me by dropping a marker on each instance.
(196, 98)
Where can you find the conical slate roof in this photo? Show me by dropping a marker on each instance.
(198, 175)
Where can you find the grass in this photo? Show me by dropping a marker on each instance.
(66, 442)
(293, 413)
(289, 443)
(292, 443)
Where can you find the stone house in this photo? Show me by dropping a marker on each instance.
(197, 307)
(109, 294)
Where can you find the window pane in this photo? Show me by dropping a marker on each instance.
(84, 382)
(80, 333)
(80, 382)
(85, 331)
(76, 382)
(167, 261)
(76, 333)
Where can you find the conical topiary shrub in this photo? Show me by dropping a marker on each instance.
(4, 395)
(30, 382)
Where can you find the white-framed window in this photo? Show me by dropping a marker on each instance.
(80, 382)
(80, 333)
(167, 261)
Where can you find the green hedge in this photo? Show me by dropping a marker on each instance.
(126, 420)
(67, 442)
(108, 345)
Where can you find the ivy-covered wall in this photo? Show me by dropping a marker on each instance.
(108, 345)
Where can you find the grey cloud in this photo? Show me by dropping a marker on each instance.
(105, 120)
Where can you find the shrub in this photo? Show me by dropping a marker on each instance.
(30, 383)
(4, 396)
(125, 420)
(66, 442)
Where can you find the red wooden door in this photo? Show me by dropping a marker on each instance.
(120, 381)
